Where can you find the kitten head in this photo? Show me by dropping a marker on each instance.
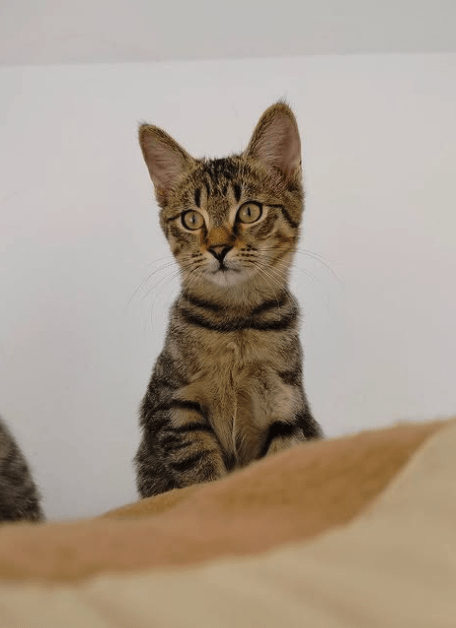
(234, 219)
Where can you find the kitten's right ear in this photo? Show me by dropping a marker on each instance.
(165, 159)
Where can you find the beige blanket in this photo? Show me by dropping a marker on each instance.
(371, 519)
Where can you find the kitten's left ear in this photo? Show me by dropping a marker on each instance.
(275, 141)
(166, 160)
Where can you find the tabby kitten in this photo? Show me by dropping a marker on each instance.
(227, 388)
(19, 498)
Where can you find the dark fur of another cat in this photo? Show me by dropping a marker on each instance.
(19, 497)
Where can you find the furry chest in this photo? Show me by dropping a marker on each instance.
(238, 385)
(236, 352)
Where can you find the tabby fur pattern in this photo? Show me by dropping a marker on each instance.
(227, 388)
(19, 497)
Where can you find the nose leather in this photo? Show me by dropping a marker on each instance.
(220, 251)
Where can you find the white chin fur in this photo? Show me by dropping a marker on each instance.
(227, 278)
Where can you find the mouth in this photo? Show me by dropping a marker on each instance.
(224, 269)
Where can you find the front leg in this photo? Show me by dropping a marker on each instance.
(178, 448)
(283, 434)
(279, 410)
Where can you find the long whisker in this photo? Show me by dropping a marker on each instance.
(169, 263)
(195, 275)
(298, 249)
(169, 277)
(282, 264)
(315, 256)
(322, 261)
(148, 278)
(271, 270)
(160, 259)
(174, 276)
(157, 295)
(187, 263)
(314, 279)
(263, 273)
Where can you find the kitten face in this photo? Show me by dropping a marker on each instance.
(226, 228)
(230, 220)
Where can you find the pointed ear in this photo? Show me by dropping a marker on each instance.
(275, 141)
(165, 159)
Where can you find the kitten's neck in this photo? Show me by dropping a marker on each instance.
(244, 296)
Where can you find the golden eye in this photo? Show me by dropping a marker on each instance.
(249, 212)
(192, 220)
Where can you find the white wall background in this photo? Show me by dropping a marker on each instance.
(117, 31)
(79, 234)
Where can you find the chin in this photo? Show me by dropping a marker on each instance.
(227, 278)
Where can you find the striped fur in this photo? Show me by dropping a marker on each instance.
(19, 498)
(227, 388)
